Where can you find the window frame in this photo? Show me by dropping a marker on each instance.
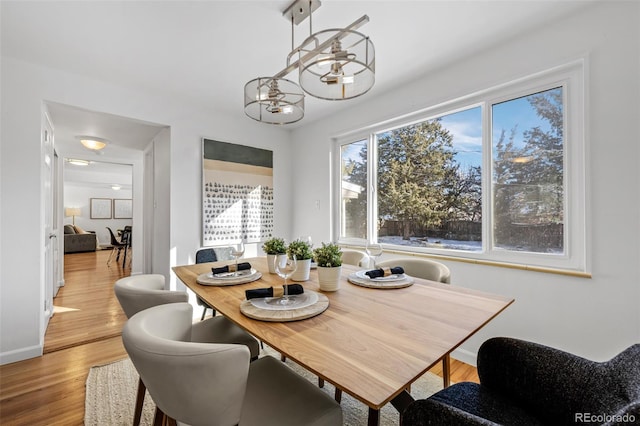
(570, 77)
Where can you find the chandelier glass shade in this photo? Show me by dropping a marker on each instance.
(343, 69)
(273, 100)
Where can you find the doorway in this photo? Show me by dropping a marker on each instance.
(97, 196)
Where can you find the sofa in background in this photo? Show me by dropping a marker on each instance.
(77, 240)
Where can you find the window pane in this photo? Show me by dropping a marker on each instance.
(429, 183)
(528, 202)
(353, 184)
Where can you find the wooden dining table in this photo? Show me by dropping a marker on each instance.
(370, 343)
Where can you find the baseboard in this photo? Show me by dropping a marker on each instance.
(20, 354)
(465, 356)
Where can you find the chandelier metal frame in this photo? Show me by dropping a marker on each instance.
(328, 69)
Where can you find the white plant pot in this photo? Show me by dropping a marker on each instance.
(271, 262)
(302, 271)
(329, 278)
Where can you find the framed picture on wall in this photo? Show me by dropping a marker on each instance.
(122, 208)
(237, 193)
(100, 208)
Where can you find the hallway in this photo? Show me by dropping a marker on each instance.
(86, 309)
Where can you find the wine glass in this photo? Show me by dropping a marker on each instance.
(374, 251)
(237, 250)
(285, 267)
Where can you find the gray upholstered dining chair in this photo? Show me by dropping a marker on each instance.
(205, 383)
(355, 257)
(139, 292)
(428, 270)
(421, 268)
(211, 254)
(205, 255)
(526, 383)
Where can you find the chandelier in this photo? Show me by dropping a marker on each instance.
(334, 64)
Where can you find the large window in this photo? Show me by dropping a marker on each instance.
(528, 163)
(353, 185)
(491, 176)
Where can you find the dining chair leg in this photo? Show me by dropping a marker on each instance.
(161, 419)
(110, 256)
(446, 370)
(137, 415)
(320, 382)
(158, 418)
(338, 395)
(283, 358)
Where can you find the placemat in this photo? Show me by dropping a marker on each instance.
(207, 279)
(366, 282)
(283, 316)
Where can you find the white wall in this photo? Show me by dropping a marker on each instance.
(24, 89)
(593, 317)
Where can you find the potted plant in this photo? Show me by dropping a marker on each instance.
(302, 251)
(274, 247)
(329, 260)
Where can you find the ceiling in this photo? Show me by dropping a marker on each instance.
(203, 52)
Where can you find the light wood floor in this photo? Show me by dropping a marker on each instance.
(85, 331)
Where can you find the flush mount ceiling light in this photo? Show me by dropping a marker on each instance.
(78, 162)
(334, 64)
(93, 143)
(116, 187)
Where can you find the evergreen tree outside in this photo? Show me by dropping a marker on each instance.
(415, 166)
(528, 179)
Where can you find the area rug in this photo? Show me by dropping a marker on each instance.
(111, 392)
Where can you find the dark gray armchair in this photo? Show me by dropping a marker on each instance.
(523, 383)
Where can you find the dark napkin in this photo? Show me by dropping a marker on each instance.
(231, 268)
(273, 292)
(384, 272)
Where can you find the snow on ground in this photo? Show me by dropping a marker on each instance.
(432, 243)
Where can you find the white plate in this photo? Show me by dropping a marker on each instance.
(230, 275)
(297, 301)
(209, 279)
(393, 277)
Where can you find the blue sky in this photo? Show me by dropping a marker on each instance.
(466, 128)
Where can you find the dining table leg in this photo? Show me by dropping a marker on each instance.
(401, 402)
(374, 417)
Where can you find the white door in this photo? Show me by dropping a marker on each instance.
(50, 231)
